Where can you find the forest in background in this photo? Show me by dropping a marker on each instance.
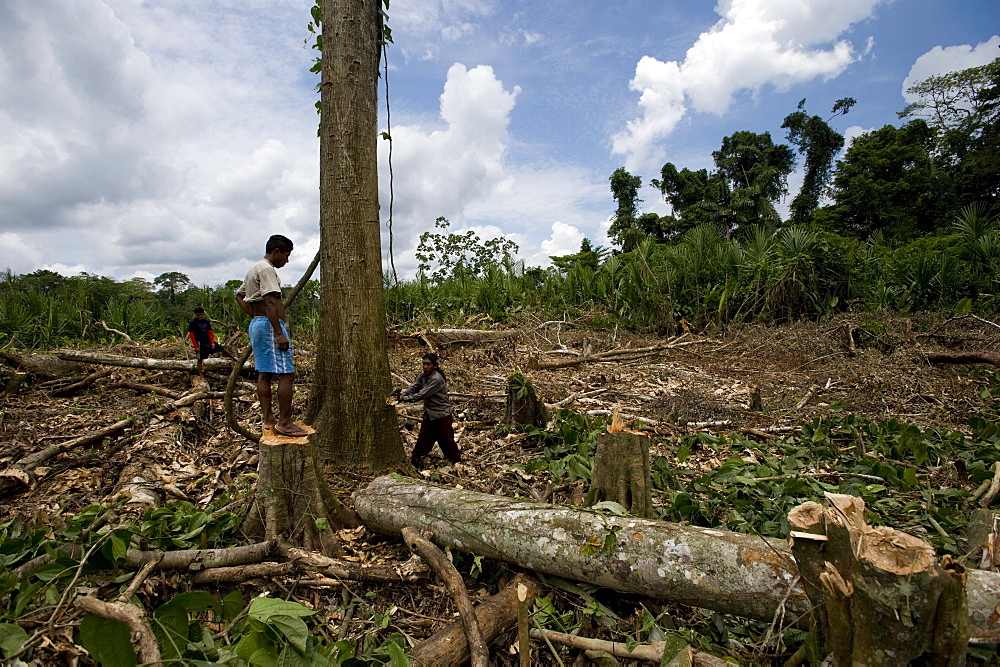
(909, 224)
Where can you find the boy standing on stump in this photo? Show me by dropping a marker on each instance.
(260, 297)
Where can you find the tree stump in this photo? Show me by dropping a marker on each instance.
(882, 596)
(621, 473)
(523, 407)
(293, 501)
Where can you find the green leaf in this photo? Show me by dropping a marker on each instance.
(109, 642)
(398, 655)
(264, 608)
(910, 478)
(610, 506)
(293, 628)
(232, 605)
(963, 308)
(289, 657)
(12, 636)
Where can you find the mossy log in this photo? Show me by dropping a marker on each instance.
(733, 573)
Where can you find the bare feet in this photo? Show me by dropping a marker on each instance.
(291, 430)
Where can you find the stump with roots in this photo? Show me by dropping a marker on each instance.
(523, 407)
(621, 472)
(293, 501)
(882, 597)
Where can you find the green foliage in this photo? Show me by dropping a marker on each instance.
(453, 255)
(819, 143)
(889, 464)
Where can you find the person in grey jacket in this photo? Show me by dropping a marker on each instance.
(431, 387)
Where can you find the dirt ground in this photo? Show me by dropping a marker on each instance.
(697, 381)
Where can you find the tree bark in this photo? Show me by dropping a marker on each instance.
(732, 573)
(882, 596)
(347, 402)
(449, 648)
(621, 473)
(293, 501)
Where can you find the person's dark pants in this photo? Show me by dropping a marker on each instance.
(205, 350)
(440, 431)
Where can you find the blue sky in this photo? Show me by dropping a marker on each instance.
(144, 136)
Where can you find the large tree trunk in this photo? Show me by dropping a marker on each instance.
(732, 573)
(294, 502)
(347, 404)
(882, 596)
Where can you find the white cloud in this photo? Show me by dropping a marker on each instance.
(756, 43)
(944, 59)
(17, 255)
(564, 240)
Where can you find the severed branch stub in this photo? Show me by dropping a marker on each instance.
(881, 596)
(453, 580)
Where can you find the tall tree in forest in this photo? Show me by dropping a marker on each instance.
(963, 108)
(625, 190)
(347, 403)
(820, 143)
(751, 175)
(889, 180)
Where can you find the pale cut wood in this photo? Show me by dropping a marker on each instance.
(732, 573)
(882, 596)
(83, 356)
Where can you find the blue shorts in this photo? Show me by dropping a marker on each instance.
(267, 358)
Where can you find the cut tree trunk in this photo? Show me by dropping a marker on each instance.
(293, 501)
(882, 596)
(523, 407)
(621, 473)
(744, 575)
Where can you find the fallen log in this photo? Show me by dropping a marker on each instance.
(199, 559)
(984, 357)
(83, 356)
(41, 365)
(449, 648)
(732, 573)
